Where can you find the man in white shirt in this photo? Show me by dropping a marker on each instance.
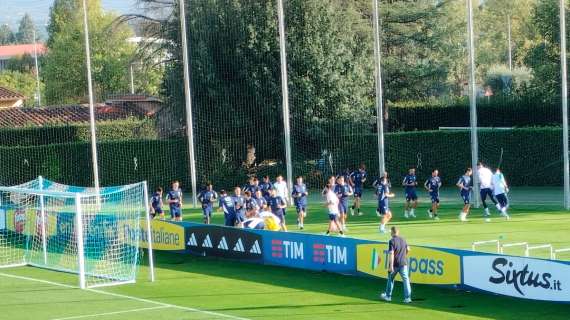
(500, 189)
(281, 187)
(333, 210)
(485, 181)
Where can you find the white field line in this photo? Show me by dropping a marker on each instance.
(166, 305)
(111, 313)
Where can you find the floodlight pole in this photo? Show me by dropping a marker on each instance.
(509, 27)
(188, 96)
(379, 90)
(38, 90)
(564, 72)
(285, 93)
(91, 102)
(473, 100)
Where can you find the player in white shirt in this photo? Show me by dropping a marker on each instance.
(500, 190)
(486, 187)
(332, 202)
(282, 191)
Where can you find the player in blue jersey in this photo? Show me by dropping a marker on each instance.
(156, 204)
(357, 180)
(343, 192)
(410, 184)
(227, 205)
(252, 186)
(383, 194)
(299, 194)
(207, 198)
(239, 203)
(251, 207)
(265, 186)
(174, 199)
(432, 185)
(465, 185)
(277, 205)
(261, 202)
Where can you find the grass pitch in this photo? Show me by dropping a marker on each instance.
(202, 288)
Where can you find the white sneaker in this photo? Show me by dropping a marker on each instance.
(343, 235)
(487, 219)
(436, 218)
(463, 216)
(406, 215)
(360, 214)
(407, 300)
(430, 214)
(486, 212)
(382, 229)
(498, 206)
(412, 214)
(351, 211)
(384, 297)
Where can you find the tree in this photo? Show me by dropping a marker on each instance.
(6, 35)
(26, 30)
(64, 69)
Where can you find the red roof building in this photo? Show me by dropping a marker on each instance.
(10, 98)
(18, 50)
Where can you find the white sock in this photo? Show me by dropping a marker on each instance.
(412, 212)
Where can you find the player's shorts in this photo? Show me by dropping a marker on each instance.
(383, 207)
(434, 197)
(343, 206)
(503, 200)
(486, 192)
(230, 219)
(357, 192)
(301, 207)
(175, 212)
(466, 196)
(207, 211)
(240, 216)
(333, 216)
(281, 216)
(411, 195)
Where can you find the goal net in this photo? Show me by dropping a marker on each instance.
(94, 236)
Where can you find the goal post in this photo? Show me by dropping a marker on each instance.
(96, 236)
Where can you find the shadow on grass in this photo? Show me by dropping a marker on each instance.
(364, 290)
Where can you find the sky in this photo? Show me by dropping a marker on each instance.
(11, 11)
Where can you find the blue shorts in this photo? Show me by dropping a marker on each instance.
(466, 196)
(207, 211)
(411, 195)
(357, 192)
(230, 220)
(434, 197)
(301, 207)
(333, 216)
(175, 212)
(486, 192)
(281, 217)
(343, 206)
(503, 200)
(157, 210)
(383, 207)
(240, 216)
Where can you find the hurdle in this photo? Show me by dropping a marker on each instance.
(478, 243)
(544, 246)
(557, 251)
(517, 244)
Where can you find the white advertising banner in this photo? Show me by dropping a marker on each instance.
(518, 277)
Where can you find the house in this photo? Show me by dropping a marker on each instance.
(10, 98)
(19, 50)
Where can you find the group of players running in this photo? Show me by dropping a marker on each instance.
(263, 204)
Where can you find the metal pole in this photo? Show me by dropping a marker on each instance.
(38, 91)
(509, 27)
(91, 103)
(473, 100)
(285, 93)
(564, 71)
(148, 232)
(132, 79)
(188, 96)
(379, 91)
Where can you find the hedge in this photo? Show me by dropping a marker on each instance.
(532, 157)
(106, 131)
(497, 112)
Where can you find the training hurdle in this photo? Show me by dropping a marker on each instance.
(544, 246)
(517, 244)
(557, 251)
(478, 243)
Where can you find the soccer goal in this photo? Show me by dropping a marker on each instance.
(95, 236)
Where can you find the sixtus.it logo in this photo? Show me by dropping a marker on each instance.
(508, 273)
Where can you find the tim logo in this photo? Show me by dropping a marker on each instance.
(285, 249)
(507, 273)
(326, 253)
